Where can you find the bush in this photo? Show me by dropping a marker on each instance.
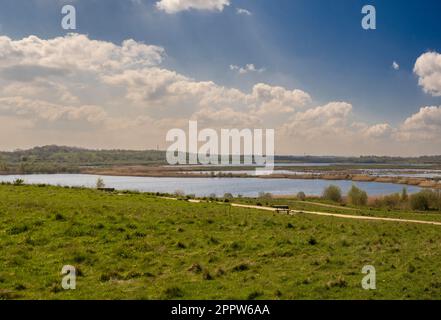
(301, 196)
(228, 196)
(419, 201)
(179, 193)
(332, 193)
(404, 195)
(392, 201)
(265, 195)
(100, 183)
(357, 196)
(425, 200)
(18, 182)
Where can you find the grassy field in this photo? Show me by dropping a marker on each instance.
(136, 246)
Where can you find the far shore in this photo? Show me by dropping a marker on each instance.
(176, 172)
(158, 172)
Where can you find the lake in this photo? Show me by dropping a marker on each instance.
(205, 186)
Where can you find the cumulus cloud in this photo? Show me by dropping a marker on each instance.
(395, 66)
(246, 69)
(423, 125)
(428, 70)
(33, 56)
(174, 6)
(245, 12)
(382, 130)
(78, 91)
(74, 78)
(227, 117)
(331, 118)
(43, 110)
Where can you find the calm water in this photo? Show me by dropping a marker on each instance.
(416, 173)
(206, 186)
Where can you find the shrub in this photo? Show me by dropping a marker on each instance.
(301, 196)
(228, 196)
(100, 183)
(357, 196)
(404, 195)
(391, 201)
(18, 182)
(265, 195)
(332, 193)
(425, 200)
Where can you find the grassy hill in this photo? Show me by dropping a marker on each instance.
(137, 246)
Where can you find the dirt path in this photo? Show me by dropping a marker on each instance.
(325, 214)
(344, 216)
(327, 205)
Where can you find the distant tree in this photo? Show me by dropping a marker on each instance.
(426, 200)
(265, 195)
(404, 195)
(179, 193)
(100, 183)
(357, 196)
(332, 193)
(420, 201)
(392, 201)
(228, 196)
(3, 166)
(301, 196)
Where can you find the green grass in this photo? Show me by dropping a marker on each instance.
(136, 246)
(332, 207)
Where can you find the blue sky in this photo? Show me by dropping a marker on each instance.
(316, 46)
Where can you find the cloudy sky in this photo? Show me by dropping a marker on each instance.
(134, 69)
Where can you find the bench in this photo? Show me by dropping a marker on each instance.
(281, 208)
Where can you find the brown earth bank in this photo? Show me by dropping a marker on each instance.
(147, 171)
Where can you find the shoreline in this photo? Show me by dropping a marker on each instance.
(154, 172)
(338, 176)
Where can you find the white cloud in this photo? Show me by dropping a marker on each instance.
(331, 118)
(78, 91)
(395, 66)
(227, 117)
(245, 12)
(428, 69)
(174, 6)
(77, 52)
(43, 110)
(423, 125)
(249, 68)
(382, 130)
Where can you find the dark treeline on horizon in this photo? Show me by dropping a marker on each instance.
(51, 159)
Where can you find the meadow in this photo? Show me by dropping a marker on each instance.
(130, 245)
